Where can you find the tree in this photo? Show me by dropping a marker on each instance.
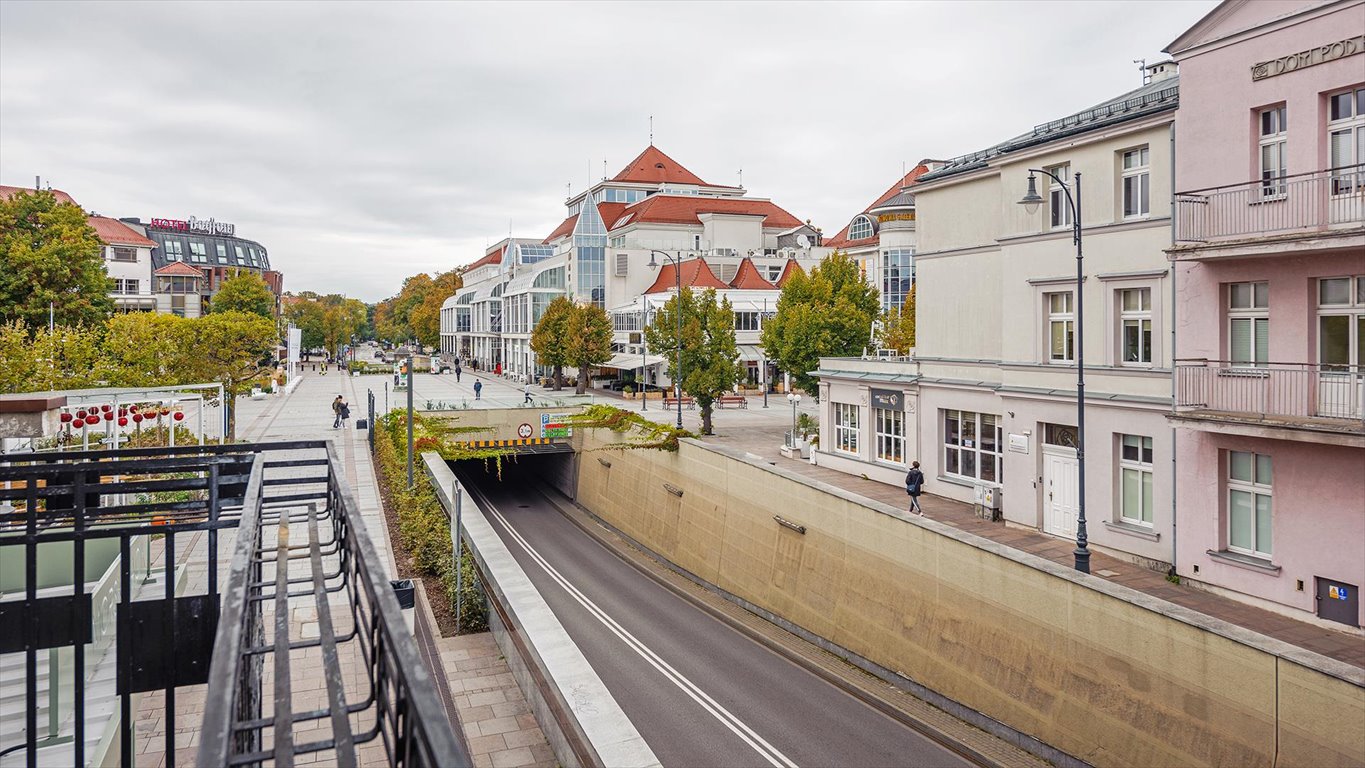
(146, 349)
(827, 313)
(710, 357)
(588, 334)
(245, 292)
(425, 318)
(549, 339)
(49, 253)
(34, 359)
(341, 319)
(307, 315)
(897, 327)
(233, 349)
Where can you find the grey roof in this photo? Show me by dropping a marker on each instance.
(906, 199)
(1152, 98)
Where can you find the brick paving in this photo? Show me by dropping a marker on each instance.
(498, 724)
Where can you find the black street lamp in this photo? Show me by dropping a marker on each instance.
(1031, 202)
(677, 380)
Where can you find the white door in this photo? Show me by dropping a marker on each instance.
(1061, 479)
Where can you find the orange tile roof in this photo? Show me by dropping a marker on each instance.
(747, 277)
(687, 209)
(695, 273)
(115, 232)
(654, 167)
(178, 269)
(8, 192)
(790, 269)
(565, 228)
(493, 258)
(841, 240)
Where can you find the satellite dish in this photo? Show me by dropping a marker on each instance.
(803, 241)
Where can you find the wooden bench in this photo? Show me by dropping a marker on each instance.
(687, 400)
(740, 400)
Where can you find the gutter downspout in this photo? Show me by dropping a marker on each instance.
(1174, 269)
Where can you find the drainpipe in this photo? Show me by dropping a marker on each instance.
(1174, 568)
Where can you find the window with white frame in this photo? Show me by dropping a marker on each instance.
(173, 249)
(890, 431)
(971, 445)
(125, 286)
(1273, 137)
(1346, 140)
(747, 321)
(860, 228)
(1059, 212)
(1135, 479)
(198, 252)
(846, 427)
(124, 254)
(1249, 503)
(1136, 180)
(222, 253)
(1249, 323)
(1341, 324)
(1061, 328)
(1135, 326)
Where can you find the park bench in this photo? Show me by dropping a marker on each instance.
(740, 400)
(687, 400)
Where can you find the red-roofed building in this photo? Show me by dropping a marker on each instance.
(8, 192)
(747, 278)
(695, 275)
(128, 261)
(178, 289)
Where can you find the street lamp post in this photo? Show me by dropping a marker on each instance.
(677, 364)
(795, 400)
(1031, 202)
(644, 354)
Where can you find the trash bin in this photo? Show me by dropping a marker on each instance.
(362, 423)
(405, 592)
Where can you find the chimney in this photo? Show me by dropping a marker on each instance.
(1162, 70)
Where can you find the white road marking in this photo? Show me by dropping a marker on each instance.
(726, 718)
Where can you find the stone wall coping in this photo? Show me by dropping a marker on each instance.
(29, 402)
(1278, 648)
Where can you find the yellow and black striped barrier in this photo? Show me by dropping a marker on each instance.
(508, 443)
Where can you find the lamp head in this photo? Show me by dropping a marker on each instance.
(652, 262)
(1032, 199)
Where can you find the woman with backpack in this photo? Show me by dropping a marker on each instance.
(914, 484)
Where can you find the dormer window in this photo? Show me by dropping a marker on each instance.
(860, 228)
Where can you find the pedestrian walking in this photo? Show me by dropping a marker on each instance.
(914, 484)
(457, 373)
(345, 413)
(526, 390)
(337, 405)
(478, 390)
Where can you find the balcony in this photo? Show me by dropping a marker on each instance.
(1321, 204)
(1264, 400)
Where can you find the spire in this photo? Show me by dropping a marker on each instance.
(651, 130)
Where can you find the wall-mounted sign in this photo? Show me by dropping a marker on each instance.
(524, 431)
(1018, 443)
(888, 399)
(555, 425)
(1312, 57)
(206, 226)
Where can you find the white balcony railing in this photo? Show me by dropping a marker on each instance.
(1308, 201)
(1281, 391)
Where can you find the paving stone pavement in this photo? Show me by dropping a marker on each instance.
(498, 724)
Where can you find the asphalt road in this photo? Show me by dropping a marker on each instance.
(699, 692)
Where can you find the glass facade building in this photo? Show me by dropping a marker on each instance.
(590, 242)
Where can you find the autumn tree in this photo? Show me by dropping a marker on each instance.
(342, 318)
(232, 349)
(549, 339)
(588, 334)
(827, 313)
(147, 349)
(897, 327)
(709, 355)
(306, 313)
(425, 319)
(244, 291)
(49, 254)
(68, 357)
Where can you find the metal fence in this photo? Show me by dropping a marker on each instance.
(1273, 390)
(1306, 201)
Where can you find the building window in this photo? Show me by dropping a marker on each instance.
(1061, 328)
(898, 274)
(241, 255)
(747, 321)
(860, 228)
(1136, 179)
(1346, 140)
(222, 253)
(1135, 318)
(971, 445)
(178, 304)
(846, 428)
(890, 431)
(173, 249)
(125, 287)
(124, 254)
(198, 252)
(1249, 503)
(1273, 134)
(1135, 479)
(1059, 213)
(1249, 323)
(1341, 324)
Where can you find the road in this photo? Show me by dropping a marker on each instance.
(699, 692)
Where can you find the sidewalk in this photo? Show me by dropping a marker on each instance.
(760, 432)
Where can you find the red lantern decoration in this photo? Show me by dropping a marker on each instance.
(80, 414)
(133, 408)
(106, 407)
(179, 416)
(123, 421)
(78, 423)
(137, 418)
(92, 418)
(66, 418)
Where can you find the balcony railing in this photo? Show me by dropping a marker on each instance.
(1306, 201)
(1329, 395)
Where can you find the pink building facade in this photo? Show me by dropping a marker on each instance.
(1269, 270)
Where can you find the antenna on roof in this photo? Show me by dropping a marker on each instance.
(651, 130)
(1142, 67)
(741, 177)
(604, 169)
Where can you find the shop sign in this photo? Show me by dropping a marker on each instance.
(1312, 57)
(206, 226)
(888, 399)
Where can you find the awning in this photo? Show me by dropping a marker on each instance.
(750, 352)
(630, 362)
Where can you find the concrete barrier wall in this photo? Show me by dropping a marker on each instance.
(1103, 673)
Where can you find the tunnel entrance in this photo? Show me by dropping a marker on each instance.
(556, 469)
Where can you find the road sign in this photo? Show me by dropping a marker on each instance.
(524, 430)
(555, 425)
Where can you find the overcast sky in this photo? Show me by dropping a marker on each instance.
(363, 142)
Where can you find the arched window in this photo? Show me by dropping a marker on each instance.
(860, 228)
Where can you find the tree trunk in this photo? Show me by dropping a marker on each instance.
(559, 377)
(230, 403)
(706, 418)
(582, 379)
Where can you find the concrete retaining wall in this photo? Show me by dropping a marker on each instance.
(1103, 673)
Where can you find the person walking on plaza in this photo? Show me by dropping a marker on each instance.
(337, 405)
(457, 371)
(914, 483)
(526, 390)
(478, 390)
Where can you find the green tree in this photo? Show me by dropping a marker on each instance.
(147, 349)
(588, 334)
(710, 357)
(549, 339)
(49, 253)
(245, 292)
(307, 315)
(425, 318)
(69, 357)
(233, 349)
(342, 318)
(897, 327)
(827, 313)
